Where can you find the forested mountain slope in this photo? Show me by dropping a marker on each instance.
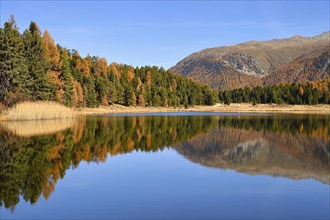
(259, 62)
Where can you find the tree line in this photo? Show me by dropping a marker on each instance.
(33, 67)
(316, 92)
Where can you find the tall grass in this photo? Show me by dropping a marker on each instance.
(36, 111)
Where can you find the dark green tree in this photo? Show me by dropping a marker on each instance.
(90, 94)
(13, 68)
(227, 97)
(38, 65)
(66, 77)
(129, 96)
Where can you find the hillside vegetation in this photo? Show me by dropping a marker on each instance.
(33, 67)
(316, 92)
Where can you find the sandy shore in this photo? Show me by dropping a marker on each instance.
(245, 107)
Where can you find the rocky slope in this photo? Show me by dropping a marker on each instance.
(259, 62)
(310, 67)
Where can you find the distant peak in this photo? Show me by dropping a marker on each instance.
(323, 36)
(297, 37)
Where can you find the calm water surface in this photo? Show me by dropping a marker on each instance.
(165, 166)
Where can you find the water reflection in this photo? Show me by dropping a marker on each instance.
(297, 148)
(34, 156)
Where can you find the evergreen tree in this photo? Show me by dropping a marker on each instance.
(13, 69)
(90, 94)
(130, 98)
(120, 93)
(227, 97)
(67, 80)
(163, 97)
(325, 98)
(38, 65)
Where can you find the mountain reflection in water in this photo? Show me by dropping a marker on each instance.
(35, 155)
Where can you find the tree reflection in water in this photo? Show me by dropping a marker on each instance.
(35, 155)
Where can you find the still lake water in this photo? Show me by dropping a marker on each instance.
(167, 166)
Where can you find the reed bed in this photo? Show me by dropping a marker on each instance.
(36, 111)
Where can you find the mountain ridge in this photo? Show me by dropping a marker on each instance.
(245, 64)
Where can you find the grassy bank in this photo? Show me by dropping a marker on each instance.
(40, 110)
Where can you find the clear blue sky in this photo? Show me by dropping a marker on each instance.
(164, 32)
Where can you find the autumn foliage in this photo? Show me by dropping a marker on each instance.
(34, 68)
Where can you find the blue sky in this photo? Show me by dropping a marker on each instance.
(164, 32)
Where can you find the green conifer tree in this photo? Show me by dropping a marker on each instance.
(13, 69)
(38, 65)
(90, 94)
(66, 77)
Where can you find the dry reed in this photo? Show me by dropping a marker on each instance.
(36, 111)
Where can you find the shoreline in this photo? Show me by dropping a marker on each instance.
(234, 108)
(43, 110)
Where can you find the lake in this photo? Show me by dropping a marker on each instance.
(167, 166)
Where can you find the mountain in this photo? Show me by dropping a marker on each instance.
(259, 62)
